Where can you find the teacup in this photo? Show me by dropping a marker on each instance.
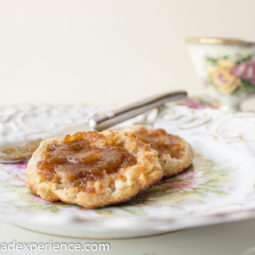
(226, 68)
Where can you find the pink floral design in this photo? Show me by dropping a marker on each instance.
(188, 181)
(230, 75)
(194, 103)
(21, 165)
(245, 70)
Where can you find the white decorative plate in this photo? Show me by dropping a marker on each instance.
(219, 187)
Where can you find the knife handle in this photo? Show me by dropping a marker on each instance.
(101, 121)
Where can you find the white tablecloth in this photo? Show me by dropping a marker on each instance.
(230, 238)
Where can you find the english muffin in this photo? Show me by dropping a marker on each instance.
(92, 169)
(175, 154)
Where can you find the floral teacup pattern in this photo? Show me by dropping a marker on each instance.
(226, 67)
(231, 76)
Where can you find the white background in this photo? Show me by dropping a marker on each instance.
(224, 239)
(107, 51)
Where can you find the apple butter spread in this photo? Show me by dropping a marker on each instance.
(84, 156)
(20, 152)
(162, 142)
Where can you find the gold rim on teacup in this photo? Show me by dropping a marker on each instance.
(219, 40)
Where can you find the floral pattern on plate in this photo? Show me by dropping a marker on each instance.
(203, 178)
(219, 187)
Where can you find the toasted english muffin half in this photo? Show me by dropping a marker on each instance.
(92, 169)
(175, 154)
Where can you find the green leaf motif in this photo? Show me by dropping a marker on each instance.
(205, 178)
(211, 60)
(247, 83)
(244, 59)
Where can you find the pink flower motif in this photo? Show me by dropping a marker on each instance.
(21, 165)
(187, 183)
(196, 104)
(245, 70)
(220, 78)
